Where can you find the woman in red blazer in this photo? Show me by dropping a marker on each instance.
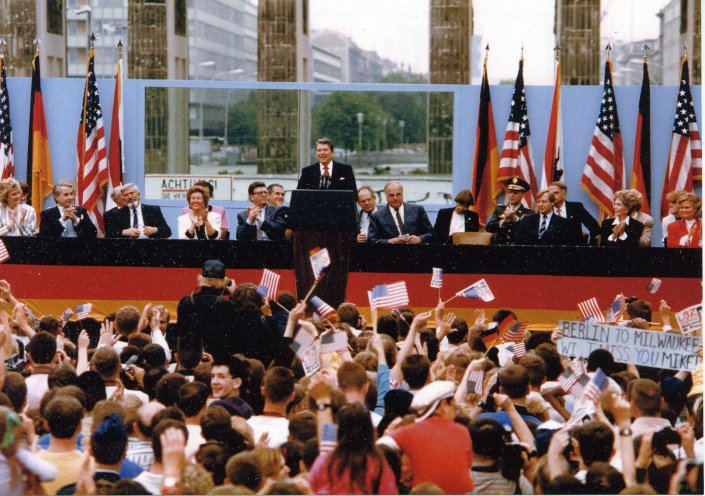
(687, 232)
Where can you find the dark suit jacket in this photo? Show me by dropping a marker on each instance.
(633, 230)
(343, 177)
(442, 226)
(273, 225)
(51, 227)
(383, 228)
(152, 216)
(503, 234)
(527, 231)
(578, 217)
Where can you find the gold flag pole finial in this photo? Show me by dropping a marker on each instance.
(685, 49)
(120, 47)
(37, 42)
(608, 49)
(91, 43)
(646, 49)
(557, 51)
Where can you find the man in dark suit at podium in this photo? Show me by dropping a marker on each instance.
(327, 173)
(66, 220)
(577, 216)
(399, 222)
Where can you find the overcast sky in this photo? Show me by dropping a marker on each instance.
(399, 29)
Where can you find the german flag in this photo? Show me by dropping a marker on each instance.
(486, 162)
(641, 168)
(39, 174)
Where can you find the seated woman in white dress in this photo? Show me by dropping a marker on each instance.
(198, 223)
(16, 218)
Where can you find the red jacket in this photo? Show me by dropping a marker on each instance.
(677, 230)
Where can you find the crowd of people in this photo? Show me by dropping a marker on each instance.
(554, 221)
(244, 395)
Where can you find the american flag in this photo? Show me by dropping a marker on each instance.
(82, 311)
(66, 316)
(567, 380)
(590, 310)
(479, 290)
(685, 157)
(516, 332)
(4, 254)
(617, 308)
(92, 161)
(597, 385)
(604, 170)
(579, 386)
(516, 159)
(7, 167)
(519, 349)
(437, 278)
(317, 317)
(329, 438)
(475, 379)
(653, 286)
(323, 308)
(553, 156)
(269, 283)
(389, 295)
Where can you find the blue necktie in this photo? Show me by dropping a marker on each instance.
(543, 227)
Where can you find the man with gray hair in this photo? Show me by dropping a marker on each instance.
(399, 222)
(66, 220)
(136, 220)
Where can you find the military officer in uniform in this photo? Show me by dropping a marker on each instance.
(504, 219)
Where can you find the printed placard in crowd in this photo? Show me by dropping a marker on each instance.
(665, 350)
(690, 319)
(320, 259)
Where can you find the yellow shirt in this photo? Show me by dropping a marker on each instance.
(68, 464)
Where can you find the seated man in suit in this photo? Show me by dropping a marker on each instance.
(276, 194)
(261, 222)
(504, 219)
(136, 220)
(646, 219)
(458, 219)
(577, 217)
(368, 205)
(398, 222)
(66, 220)
(544, 228)
(327, 173)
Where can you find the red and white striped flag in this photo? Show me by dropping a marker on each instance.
(437, 278)
(268, 286)
(389, 295)
(516, 332)
(516, 159)
(66, 316)
(323, 308)
(92, 163)
(653, 286)
(617, 308)
(4, 254)
(597, 385)
(567, 380)
(82, 311)
(685, 156)
(519, 349)
(553, 154)
(474, 384)
(590, 310)
(116, 164)
(7, 166)
(604, 171)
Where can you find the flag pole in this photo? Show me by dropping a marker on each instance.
(451, 298)
(315, 283)
(279, 305)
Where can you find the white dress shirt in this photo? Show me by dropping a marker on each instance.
(622, 236)
(560, 211)
(140, 220)
(457, 223)
(365, 221)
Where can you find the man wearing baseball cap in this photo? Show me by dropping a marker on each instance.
(503, 220)
(439, 449)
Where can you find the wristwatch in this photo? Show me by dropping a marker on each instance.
(626, 432)
(169, 485)
(322, 406)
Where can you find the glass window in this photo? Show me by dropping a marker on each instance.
(180, 17)
(55, 16)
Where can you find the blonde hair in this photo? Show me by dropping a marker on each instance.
(270, 460)
(694, 199)
(629, 199)
(6, 187)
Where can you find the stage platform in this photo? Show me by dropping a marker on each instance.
(543, 285)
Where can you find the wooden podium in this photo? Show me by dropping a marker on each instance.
(325, 219)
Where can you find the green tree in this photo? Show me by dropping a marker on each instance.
(336, 117)
(242, 121)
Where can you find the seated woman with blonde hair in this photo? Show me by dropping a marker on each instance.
(16, 218)
(687, 232)
(198, 222)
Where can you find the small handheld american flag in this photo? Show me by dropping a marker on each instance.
(617, 308)
(66, 316)
(475, 379)
(4, 254)
(567, 380)
(389, 295)
(590, 310)
(653, 286)
(323, 308)
(269, 283)
(437, 278)
(479, 290)
(83, 311)
(597, 385)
